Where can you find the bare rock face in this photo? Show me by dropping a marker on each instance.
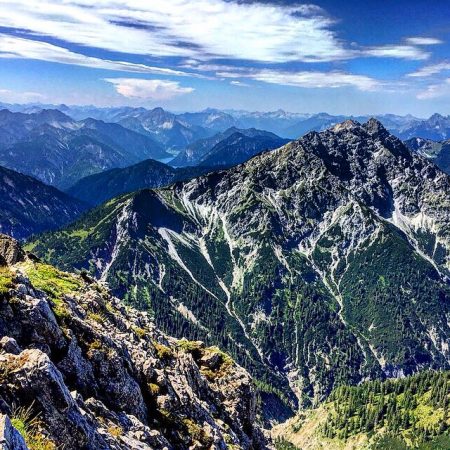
(10, 251)
(93, 374)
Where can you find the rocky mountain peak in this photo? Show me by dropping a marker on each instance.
(374, 126)
(346, 125)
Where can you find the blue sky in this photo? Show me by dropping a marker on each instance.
(347, 56)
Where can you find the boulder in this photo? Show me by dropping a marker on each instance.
(10, 251)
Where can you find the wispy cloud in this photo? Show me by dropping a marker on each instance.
(9, 96)
(15, 47)
(314, 79)
(215, 29)
(397, 51)
(239, 83)
(435, 90)
(423, 41)
(159, 90)
(430, 70)
(254, 31)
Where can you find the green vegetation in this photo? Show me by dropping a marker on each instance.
(162, 350)
(139, 332)
(223, 366)
(52, 281)
(197, 433)
(411, 412)
(55, 284)
(115, 431)
(283, 444)
(28, 425)
(6, 280)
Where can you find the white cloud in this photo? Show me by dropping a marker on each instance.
(148, 89)
(15, 47)
(9, 96)
(239, 30)
(318, 79)
(430, 70)
(435, 90)
(239, 83)
(423, 41)
(306, 79)
(396, 51)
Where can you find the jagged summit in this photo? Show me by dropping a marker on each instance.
(374, 126)
(346, 125)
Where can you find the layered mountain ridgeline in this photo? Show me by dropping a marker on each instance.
(242, 145)
(57, 150)
(100, 187)
(78, 369)
(172, 130)
(29, 206)
(438, 152)
(437, 128)
(166, 128)
(322, 263)
(411, 412)
(275, 121)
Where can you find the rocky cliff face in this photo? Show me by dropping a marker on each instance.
(80, 369)
(320, 263)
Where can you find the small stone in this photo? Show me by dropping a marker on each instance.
(9, 345)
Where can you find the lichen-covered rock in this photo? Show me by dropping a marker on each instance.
(95, 374)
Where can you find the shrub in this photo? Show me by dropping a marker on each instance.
(162, 350)
(27, 425)
(6, 280)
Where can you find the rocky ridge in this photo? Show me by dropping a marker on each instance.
(80, 369)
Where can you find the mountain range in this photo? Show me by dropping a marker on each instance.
(438, 152)
(244, 143)
(184, 128)
(58, 150)
(98, 188)
(322, 263)
(29, 206)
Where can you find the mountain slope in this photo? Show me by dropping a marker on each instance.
(437, 128)
(58, 150)
(163, 126)
(194, 153)
(80, 370)
(438, 152)
(320, 263)
(29, 206)
(100, 187)
(239, 148)
(317, 122)
(396, 414)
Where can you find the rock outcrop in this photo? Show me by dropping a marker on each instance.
(79, 368)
